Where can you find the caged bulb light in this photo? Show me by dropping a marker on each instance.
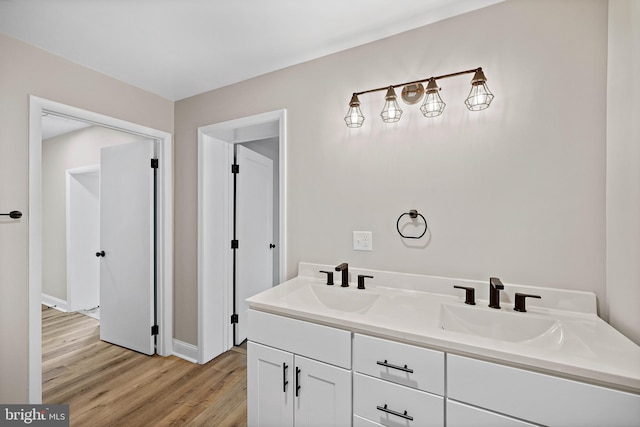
(478, 99)
(354, 117)
(480, 96)
(391, 112)
(433, 105)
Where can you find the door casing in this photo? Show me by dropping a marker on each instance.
(215, 288)
(37, 106)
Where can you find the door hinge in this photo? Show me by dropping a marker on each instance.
(155, 330)
(235, 168)
(234, 318)
(154, 163)
(234, 244)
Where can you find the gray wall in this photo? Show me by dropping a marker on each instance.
(516, 191)
(27, 70)
(623, 167)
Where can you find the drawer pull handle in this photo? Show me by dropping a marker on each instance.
(298, 370)
(284, 377)
(397, 414)
(399, 368)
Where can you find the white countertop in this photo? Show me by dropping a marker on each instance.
(413, 308)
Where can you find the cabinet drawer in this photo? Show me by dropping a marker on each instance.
(537, 397)
(363, 422)
(403, 364)
(459, 415)
(308, 339)
(404, 406)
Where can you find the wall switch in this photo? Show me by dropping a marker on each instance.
(362, 241)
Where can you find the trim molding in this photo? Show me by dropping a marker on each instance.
(215, 287)
(186, 351)
(53, 302)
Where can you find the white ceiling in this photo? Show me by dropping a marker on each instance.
(180, 48)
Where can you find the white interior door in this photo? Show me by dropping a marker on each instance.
(254, 231)
(127, 238)
(83, 238)
(215, 213)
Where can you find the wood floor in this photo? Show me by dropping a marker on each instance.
(106, 385)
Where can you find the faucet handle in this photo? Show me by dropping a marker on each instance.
(361, 278)
(329, 276)
(469, 295)
(520, 301)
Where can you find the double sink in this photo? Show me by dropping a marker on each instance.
(479, 321)
(561, 333)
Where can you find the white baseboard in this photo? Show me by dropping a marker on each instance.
(186, 351)
(54, 302)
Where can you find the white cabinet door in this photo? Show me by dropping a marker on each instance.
(283, 388)
(269, 386)
(323, 394)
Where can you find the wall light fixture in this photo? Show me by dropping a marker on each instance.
(479, 98)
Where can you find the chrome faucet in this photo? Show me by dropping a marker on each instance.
(344, 268)
(495, 286)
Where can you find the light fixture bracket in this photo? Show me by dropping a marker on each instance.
(412, 93)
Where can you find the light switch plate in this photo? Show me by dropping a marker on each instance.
(362, 241)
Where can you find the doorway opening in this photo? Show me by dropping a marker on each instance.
(82, 239)
(233, 245)
(164, 228)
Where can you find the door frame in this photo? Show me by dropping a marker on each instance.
(215, 288)
(70, 173)
(164, 272)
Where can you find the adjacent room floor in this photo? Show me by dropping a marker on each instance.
(108, 385)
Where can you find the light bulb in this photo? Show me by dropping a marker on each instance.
(480, 96)
(354, 117)
(391, 111)
(433, 105)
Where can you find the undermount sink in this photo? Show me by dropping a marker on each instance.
(499, 325)
(341, 299)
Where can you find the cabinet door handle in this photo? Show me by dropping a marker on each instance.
(284, 377)
(297, 381)
(399, 368)
(396, 413)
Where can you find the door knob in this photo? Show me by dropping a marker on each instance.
(13, 214)
(271, 245)
(99, 254)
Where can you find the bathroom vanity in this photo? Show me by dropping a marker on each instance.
(407, 350)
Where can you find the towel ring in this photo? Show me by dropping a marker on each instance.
(413, 214)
